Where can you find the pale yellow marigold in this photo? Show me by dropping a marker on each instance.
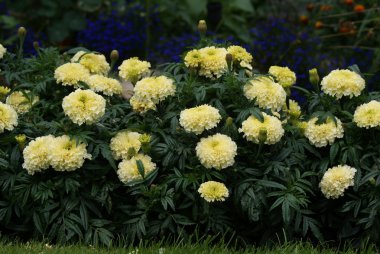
(84, 106)
(94, 63)
(134, 69)
(368, 115)
(105, 85)
(67, 155)
(294, 109)
(141, 105)
(155, 89)
(285, 76)
(2, 51)
(193, 58)
(323, 134)
(266, 93)
(213, 191)
(240, 55)
(36, 154)
(200, 118)
(20, 102)
(217, 151)
(128, 170)
(272, 125)
(8, 117)
(213, 64)
(70, 74)
(336, 180)
(339, 83)
(4, 91)
(122, 144)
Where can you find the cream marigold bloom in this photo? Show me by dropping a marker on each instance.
(128, 170)
(84, 106)
(213, 191)
(368, 115)
(339, 83)
(141, 105)
(200, 118)
(94, 63)
(213, 64)
(20, 102)
(266, 93)
(122, 144)
(336, 180)
(240, 54)
(272, 125)
(323, 134)
(217, 151)
(285, 76)
(2, 51)
(36, 154)
(193, 58)
(67, 155)
(8, 117)
(134, 69)
(70, 74)
(105, 85)
(4, 91)
(155, 89)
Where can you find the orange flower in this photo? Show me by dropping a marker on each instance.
(310, 7)
(359, 8)
(318, 25)
(325, 7)
(304, 19)
(348, 2)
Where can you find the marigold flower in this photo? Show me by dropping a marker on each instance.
(368, 115)
(323, 134)
(122, 144)
(240, 55)
(272, 125)
(2, 51)
(285, 77)
(217, 151)
(336, 180)
(128, 170)
(84, 106)
(155, 89)
(20, 102)
(134, 69)
(213, 191)
(8, 117)
(4, 91)
(36, 154)
(70, 74)
(339, 83)
(199, 118)
(94, 63)
(141, 104)
(105, 85)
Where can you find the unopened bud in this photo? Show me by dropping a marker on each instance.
(21, 138)
(114, 55)
(229, 121)
(229, 59)
(36, 45)
(202, 27)
(145, 138)
(314, 77)
(21, 32)
(263, 135)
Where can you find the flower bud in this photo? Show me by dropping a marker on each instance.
(229, 121)
(21, 32)
(114, 55)
(21, 138)
(262, 135)
(202, 27)
(145, 138)
(36, 45)
(314, 77)
(4, 91)
(229, 59)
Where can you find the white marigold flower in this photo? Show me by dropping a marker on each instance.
(36, 154)
(155, 89)
(200, 118)
(336, 180)
(2, 51)
(128, 169)
(285, 77)
(105, 85)
(213, 191)
(123, 142)
(368, 115)
(339, 83)
(71, 74)
(94, 63)
(8, 117)
(134, 69)
(323, 134)
(20, 102)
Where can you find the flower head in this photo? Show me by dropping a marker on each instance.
(323, 134)
(4, 91)
(213, 191)
(266, 93)
(84, 106)
(336, 180)
(8, 117)
(22, 101)
(70, 74)
(2, 51)
(217, 151)
(155, 89)
(339, 83)
(193, 58)
(368, 115)
(199, 118)
(294, 109)
(67, 154)
(128, 170)
(241, 56)
(36, 154)
(94, 63)
(107, 86)
(134, 69)
(125, 144)
(141, 104)
(285, 76)
(272, 125)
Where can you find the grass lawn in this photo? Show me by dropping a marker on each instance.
(297, 248)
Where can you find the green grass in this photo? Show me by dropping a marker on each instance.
(296, 248)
